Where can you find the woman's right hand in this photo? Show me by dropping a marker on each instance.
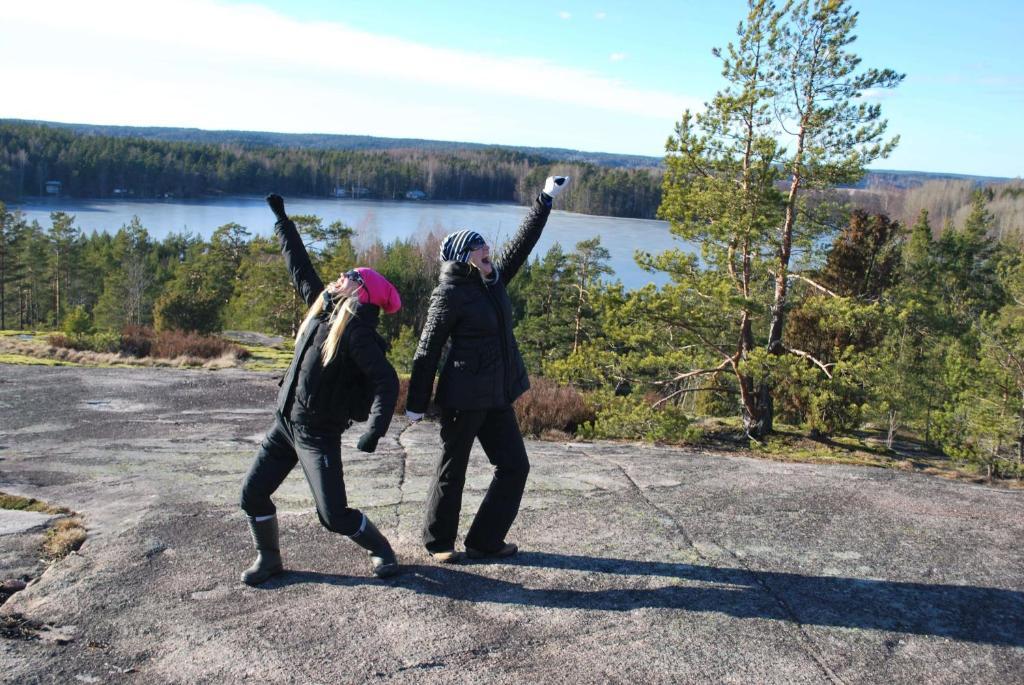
(555, 185)
(276, 203)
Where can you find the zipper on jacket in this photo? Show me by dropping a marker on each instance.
(505, 361)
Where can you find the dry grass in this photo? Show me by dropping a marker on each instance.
(12, 351)
(63, 537)
(66, 536)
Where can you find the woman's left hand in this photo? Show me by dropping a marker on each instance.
(368, 442)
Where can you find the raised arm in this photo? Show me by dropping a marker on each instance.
(517, 250)
(440, 321)
(296, 259)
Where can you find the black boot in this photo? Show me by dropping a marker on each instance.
(382, 557)
(268, 559)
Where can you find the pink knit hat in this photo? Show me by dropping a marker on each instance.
(379, 291)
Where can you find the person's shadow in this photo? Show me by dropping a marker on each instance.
(960, 612)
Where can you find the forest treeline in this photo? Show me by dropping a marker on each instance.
(93, 166)
(910, 334)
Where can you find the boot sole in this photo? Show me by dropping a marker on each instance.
(253, 581)
(507, 551)
(385, 571)
(447, 557)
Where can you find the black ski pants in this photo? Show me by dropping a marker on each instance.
(498, 432)
(319, 454)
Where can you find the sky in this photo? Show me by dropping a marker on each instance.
(610, 76)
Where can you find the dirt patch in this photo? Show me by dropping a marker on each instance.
(17, 627)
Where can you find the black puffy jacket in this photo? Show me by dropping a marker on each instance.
(484, 369)
(329, 397)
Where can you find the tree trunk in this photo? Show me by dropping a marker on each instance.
(756, 402)
(759, 423)
(892, 428)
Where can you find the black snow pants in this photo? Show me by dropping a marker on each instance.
(319, 453)
(499, 435)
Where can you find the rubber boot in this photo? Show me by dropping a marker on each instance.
(268, 559)
(382, 557)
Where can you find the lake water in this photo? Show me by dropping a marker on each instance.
(372, 219)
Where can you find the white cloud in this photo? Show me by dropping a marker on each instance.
(617, 56)
(600, 15)
(207, 64)
(565, 15)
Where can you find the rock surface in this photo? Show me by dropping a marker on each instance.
(13, 521)
(639, 563)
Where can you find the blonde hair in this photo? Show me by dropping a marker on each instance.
(340, 316)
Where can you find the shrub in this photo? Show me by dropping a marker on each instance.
(191, 311)
(402, 350)
(77, 323)
(96, 342)
(174, 343)
(633, 418)
(547, 406)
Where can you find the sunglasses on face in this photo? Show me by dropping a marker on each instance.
(353, 275)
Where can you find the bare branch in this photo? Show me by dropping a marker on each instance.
(682, 391)
(809, 357)
(816, 285)
(697, 372)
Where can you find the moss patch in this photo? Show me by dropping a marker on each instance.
(19, 503)
(15, 358)
(268, 358)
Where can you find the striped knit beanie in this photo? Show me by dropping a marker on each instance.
(456, 246)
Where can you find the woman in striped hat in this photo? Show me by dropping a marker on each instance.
(483, 375)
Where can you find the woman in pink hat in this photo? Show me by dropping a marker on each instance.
(339, 374)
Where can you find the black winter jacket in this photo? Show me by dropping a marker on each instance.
(484, 369)
(329, 397)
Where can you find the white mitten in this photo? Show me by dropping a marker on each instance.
(413, 416)
(554, 185)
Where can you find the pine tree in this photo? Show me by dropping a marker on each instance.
(719, 190)
(129, 285)
(791, 76)
(63, 235)
(589, 264)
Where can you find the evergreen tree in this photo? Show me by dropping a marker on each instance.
(129, 285)
(63, 235)
(790, 74)
(545, 331)
(720, 191)
(264, 297)
(589, 265)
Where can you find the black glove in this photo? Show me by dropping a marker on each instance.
(276, 203)
(368, 442)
